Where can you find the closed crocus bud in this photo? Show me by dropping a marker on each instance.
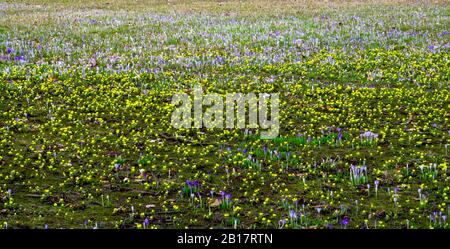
(143, 174)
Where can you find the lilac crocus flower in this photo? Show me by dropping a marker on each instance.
(369, 135)
(292, 214)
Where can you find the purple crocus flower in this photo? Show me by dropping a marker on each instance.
(19, 58)
(344, 221)
(292, 214)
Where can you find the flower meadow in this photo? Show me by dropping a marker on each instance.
(85, 114)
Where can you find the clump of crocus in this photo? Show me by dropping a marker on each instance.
(226, 200)
(358, 175)
(191, 187)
